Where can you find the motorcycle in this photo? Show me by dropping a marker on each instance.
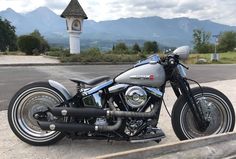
(124, 108)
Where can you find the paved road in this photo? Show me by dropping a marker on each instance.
(13, 78)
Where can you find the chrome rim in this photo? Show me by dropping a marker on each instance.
(26, 105)
(215, 110)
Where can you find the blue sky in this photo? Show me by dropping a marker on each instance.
(221, 11)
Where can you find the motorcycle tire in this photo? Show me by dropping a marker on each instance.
(23, 105)
(217, 108)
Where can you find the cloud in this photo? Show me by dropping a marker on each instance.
(154, 4)
(21, 5)
(55, 4)
(190, 6)
(216, 10)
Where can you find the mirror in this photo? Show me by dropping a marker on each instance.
(183, 52)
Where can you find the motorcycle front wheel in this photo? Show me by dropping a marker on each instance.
(24, 104)
(216, 107)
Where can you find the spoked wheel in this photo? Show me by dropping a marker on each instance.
(27, 101)
(216, 107)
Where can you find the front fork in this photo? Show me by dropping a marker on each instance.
(197, 112)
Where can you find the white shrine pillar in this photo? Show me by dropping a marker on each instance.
(74, 15)
(74, 43)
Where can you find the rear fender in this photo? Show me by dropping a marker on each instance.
(60, 88)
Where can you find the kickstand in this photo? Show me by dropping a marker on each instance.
(109, 141)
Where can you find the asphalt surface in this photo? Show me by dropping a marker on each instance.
(13, 78)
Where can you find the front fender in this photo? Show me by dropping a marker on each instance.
(60, 88)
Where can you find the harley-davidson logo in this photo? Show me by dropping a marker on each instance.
(151, 77)
(142, 77)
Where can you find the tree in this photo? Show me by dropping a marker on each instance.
(113, 47)
(44, 46)
(7, 36)
(28, 44)
(201, 40)
(121, 47)
(136, 48)
(150, 47)
(227, 41)
(155, 47)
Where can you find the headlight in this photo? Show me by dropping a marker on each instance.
(182, 71)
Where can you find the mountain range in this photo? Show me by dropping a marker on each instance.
(169, 32)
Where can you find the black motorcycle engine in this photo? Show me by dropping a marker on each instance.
(133, 127)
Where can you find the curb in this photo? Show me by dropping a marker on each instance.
(79, 63)
(62, 64)
(29, 64)
(184, 148)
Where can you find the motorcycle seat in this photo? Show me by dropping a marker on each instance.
(91, 82)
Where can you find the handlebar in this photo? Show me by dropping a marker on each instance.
(186, 67)
(172, 60)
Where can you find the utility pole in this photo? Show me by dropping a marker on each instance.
(215, 56)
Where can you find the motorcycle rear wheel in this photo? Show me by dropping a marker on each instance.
(217, 109)
(24, 104)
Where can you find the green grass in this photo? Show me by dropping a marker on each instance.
(225, 58)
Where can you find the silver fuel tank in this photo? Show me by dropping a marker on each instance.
(151, 75)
